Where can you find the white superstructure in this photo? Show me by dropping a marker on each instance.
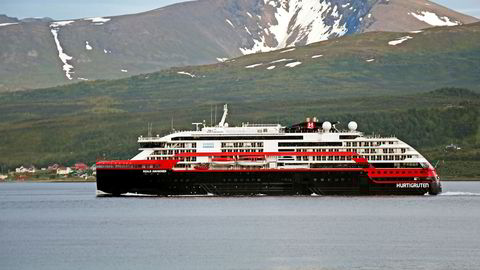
(258, 139)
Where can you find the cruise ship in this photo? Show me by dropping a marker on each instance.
(309, 158)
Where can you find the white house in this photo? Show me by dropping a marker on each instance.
(22, 169)
(64, 170)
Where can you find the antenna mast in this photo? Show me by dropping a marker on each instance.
(224, 117)
(149, 129)
(211, 115)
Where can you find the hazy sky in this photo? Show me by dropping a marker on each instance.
(71, 9)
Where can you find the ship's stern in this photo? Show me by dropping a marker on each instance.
(435, 185)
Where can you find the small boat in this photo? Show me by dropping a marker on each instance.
(223, 161)
(202, 167)
(252, 161)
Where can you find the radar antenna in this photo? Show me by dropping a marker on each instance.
(224, 117)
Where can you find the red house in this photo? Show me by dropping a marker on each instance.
(80, 166)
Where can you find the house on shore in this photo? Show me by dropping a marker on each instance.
(53, 167)
(81, 166)
(26, 169)
(64, 170)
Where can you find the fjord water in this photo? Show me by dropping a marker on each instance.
(64, 226)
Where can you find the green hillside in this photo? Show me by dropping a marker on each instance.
(390, 95)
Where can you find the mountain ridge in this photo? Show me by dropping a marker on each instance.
(43, 54)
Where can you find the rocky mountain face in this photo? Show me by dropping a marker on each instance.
(37, 53)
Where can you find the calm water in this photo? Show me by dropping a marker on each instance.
(64, 226)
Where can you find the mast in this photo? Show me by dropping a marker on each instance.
(224, 117)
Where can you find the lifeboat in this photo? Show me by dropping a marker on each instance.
(252, 161)
(223, 161)
(202, 167)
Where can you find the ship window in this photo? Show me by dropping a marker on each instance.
(303, 144)
(231, 138)
(348, 137)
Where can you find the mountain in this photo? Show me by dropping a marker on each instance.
(384, 81)
(40, 53)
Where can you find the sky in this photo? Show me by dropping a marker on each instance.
(73, 9)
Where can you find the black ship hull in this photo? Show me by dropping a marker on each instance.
(250, 183)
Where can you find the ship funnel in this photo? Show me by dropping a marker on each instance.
(315, 119)
(307, 120)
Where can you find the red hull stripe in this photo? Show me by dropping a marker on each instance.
(278, 170)
(396, 173)
(269, 154)
(137, 164)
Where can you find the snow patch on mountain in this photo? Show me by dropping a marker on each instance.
(281, 60)
(317, 56)
(186, 73)
(54, 29)
(6, 24)
(370, 60)
(433, 19)
(87, 46)
(254, 65)
(270, 67)
(60, 24)
(288, 50)
(258, 46)
(229, 22)
(98, 20)
(293, 64)
(399, 40)
(297, 21)
(124, 70)
(222, 59)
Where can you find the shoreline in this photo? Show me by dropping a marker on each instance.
(51, 181)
